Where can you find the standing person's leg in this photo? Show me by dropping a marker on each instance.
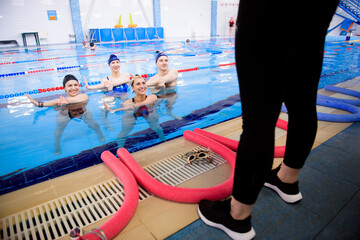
(261, 81)
(261, 97)
(265, 71)
(300, 98)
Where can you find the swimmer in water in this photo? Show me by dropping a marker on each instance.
(179, 50)
(114, 86)
(74, 111)
(165, 77)
(139, 87)
(72, 87)
(164, 83)
(116, 81)
(90, 45)
(141, 105)
(73, 106)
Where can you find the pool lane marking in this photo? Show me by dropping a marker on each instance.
(81, 66)
(41, 90)
(47, 50)
(149, 50)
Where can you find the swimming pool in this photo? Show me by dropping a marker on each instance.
(206, 95)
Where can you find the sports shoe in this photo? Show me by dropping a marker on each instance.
(217, 214)
(289, 192)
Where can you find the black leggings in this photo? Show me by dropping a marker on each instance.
(279, 56)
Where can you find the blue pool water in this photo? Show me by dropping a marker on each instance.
(203, 97)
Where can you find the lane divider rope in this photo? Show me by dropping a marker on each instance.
(42, 90)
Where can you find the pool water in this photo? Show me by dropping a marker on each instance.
(42, 143)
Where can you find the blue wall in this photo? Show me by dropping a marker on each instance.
(76, 20)
(157, 13)
(213, 18)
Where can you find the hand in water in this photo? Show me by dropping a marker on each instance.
(32, 100)
(161, 83)
(107, 107)
(85, 81)
(109, 86)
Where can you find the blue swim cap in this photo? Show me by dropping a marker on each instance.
(113, 57)
(160, 55)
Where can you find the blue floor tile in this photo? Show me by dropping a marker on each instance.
(330, 209)
(346, 225)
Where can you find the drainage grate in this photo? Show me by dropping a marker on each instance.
(176, 170)
(56, 218)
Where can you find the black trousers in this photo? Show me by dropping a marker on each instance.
(279, 49)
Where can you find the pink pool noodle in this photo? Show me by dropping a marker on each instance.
(179, 194)
(233, 144)
(123, 216)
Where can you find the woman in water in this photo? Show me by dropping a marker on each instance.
(141, 105)
(114, 86)
(71, 86)
(116, 82)
(72, 106)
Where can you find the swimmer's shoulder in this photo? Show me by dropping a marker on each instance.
(152, 97)
(126, 75)
(128, 101)
(173, 70)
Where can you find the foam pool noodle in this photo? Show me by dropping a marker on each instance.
(119, 24)
(132, 25)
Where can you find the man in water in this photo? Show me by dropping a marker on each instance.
(165, 77)
(163, 84)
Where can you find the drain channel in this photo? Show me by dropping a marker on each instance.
(56, 218)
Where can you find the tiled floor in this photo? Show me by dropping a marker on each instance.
(330, 209)
(329, 182)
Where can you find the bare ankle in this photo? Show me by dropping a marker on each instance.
(239, 211)
(287, 174)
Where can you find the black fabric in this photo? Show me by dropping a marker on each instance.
(279, 50)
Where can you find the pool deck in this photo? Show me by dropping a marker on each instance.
(330, 183)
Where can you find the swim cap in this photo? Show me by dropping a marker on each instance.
(68, 78)
(92, 44)
(113, 57)
(160, 55)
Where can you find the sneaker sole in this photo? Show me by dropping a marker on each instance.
(286, 197)
(234, 235)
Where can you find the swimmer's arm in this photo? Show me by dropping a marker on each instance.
(112, 110)
(152, 81)
(50, 103)
(170, 78)
(59, 101)
(149, 100)
(97, 86)
(125, 78)
(77, 99)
